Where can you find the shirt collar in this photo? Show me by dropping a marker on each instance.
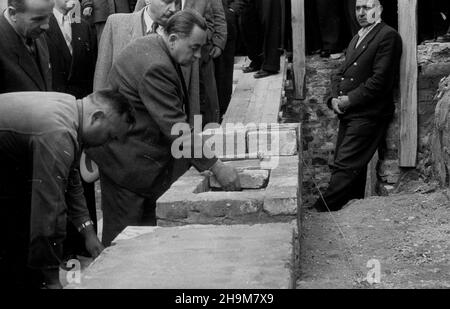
(59, 16)
(148, 21)
(364, 31)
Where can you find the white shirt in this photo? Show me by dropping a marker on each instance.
(149, 23)
(364, 32)
(65, 24)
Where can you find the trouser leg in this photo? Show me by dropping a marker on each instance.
(270, 16)
(209, 102)
(99, 28)
(357, 142)
(250, 28)
(121, 208)
(350, 15)
(330, 23)
(224, 65)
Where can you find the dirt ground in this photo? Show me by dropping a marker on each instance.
(408, 234)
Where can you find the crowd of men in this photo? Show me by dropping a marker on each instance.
(113, 79)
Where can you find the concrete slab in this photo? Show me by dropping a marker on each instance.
(197, 257)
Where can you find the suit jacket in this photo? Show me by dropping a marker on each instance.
(213, 12)
(368, 74)
(122, 29)
(72, 74)
(18, 69)
(155, 88)
(103, 8)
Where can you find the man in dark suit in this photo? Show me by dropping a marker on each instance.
(24, 58)
(362, 96)
(134, 174)
(73, 51)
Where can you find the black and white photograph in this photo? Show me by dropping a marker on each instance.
(225, 151)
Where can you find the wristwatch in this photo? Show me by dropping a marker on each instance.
(85, 225)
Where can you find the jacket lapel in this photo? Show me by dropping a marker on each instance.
(355, 53)
(137, 25)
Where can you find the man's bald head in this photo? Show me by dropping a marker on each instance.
(368, 12)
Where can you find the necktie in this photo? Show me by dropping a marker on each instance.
(154, 27)
(67, 31)
(31, 48)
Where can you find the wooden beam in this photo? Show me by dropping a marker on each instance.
(372, 177)
(298, 41)
(407, 14)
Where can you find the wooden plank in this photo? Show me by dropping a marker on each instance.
(407, 10)
(372, 177)
(272, 105)
(298, 41)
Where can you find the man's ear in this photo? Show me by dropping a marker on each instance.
(173, 38)
(97, 115)
(12, 12)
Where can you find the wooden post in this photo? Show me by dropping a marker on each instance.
(298, 42)
(407, 14)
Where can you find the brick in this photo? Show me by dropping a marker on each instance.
(250, 179)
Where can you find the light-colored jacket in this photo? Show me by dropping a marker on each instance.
(120, 30)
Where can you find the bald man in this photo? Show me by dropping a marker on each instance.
(362, 97)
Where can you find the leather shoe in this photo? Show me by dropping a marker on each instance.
(250, 69)
(263, 73)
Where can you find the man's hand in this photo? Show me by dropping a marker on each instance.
(87, 11)
(227, 176)
(215, 52)
(93, 244)
(335, 106)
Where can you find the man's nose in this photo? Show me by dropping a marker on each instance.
(198, 54)
(172, 7)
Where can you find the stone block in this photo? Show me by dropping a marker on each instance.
(250, 179)
(273, 141)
